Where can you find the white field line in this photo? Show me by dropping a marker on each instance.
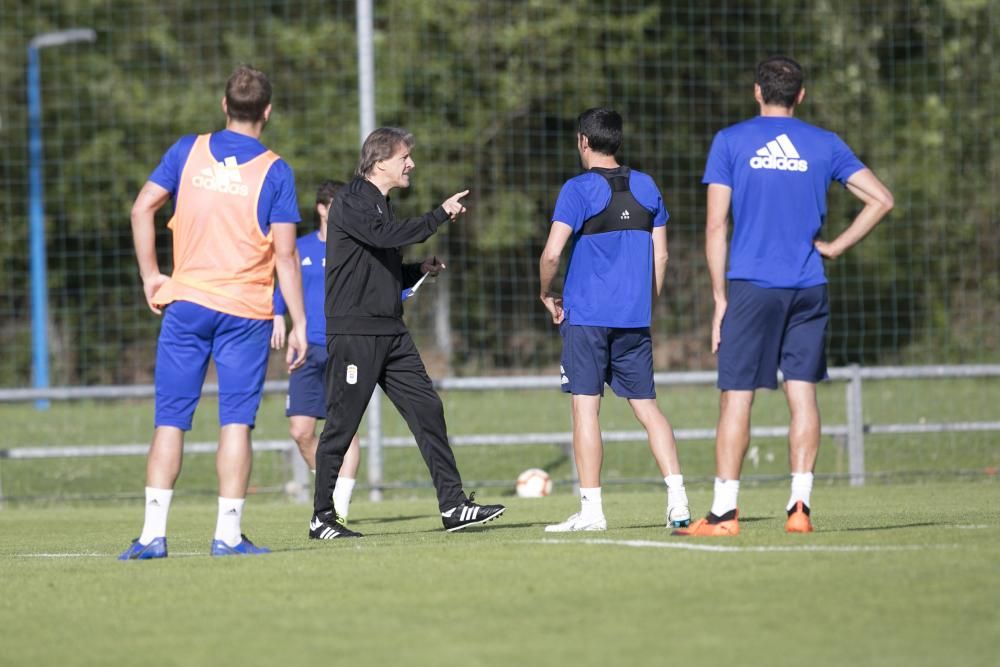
(718, 548)
(95, 555)
(641, 544)
(91, 555)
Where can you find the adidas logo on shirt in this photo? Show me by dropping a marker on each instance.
(780, 155)
(625, 215)
(307, 261)
(222, 177)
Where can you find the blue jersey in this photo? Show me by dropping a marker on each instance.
(312, 255)
(609, 279)
(779, 169)
(278, 201)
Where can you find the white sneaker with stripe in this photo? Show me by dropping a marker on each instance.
(577, 522)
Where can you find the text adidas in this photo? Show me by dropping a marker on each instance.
(779, 154)
(217, 185)
(779, 163)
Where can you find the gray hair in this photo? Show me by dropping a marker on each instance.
(380, 145)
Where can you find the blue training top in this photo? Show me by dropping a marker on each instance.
(779, 169)
(312, 253)
(278, 200)
(609, 280)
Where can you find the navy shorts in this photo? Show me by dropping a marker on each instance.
(189, 336)
(306, 388)
(768, 328)
(593, 356)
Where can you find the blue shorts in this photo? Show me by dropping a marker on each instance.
(306, 387)
(765, 329)
(190, 335)
(593, 356)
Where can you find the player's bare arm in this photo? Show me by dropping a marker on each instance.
(878, 201)
(278, 332)
(286, 257)
(149, 200)
(548, 267)
(716, 247)
(660, 258)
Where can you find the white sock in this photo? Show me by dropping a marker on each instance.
(590, 503)
(342, 495)
(227, 528)
(727, 492)
(676, 493)
(802, 486)
(157, 508)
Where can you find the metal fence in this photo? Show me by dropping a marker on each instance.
(851, 434)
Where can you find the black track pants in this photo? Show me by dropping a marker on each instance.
(354, 366)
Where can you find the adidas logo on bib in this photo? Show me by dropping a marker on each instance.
(222, 177)
(780, 155)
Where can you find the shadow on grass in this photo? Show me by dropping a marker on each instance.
(860, 529)
(483, 528)
(749, 519)
(389, 519)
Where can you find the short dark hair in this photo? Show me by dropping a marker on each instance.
(327, 190)
(380, 145)
(248, 92)
(603, 129)
(325, 193)
(780, 80)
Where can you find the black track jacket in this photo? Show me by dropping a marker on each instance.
(365, 273)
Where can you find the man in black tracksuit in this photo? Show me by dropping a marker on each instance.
(367, 341)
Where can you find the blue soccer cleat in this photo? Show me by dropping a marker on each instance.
(138, 551)
(678, 516)
(244, 548)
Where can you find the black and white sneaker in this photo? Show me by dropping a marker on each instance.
(470, 514)
(328, 526)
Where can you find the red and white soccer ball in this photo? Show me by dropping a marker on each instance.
(533, 483)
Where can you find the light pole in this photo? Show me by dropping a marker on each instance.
(36, 203)
(366, 115)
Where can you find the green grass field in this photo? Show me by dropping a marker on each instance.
(895, 575)
(902, 571)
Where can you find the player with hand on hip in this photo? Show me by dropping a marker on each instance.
(617, 220)
(306, 399)
(235, 211)
(774, 171)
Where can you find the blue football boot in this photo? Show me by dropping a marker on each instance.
(138, 551)
(244, 548)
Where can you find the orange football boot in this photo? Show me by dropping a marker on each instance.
(798, 519)
(727, 525)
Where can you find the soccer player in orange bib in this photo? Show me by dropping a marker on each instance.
(235, 211)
